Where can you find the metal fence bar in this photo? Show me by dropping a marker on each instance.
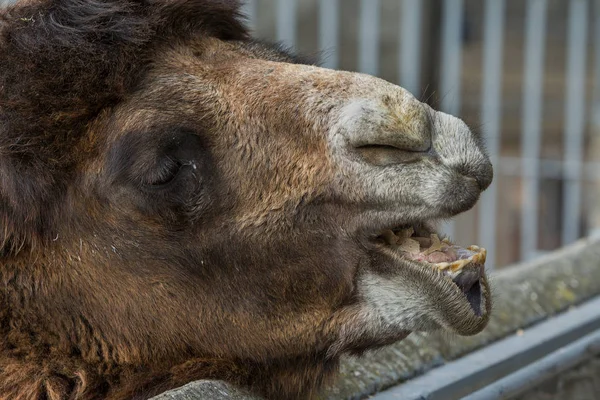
(490, 116)
(535, 22)
(548, 169)
(286, 22)
(574, 118)
(410, 46)
(249, 10)
(451, 61)
(595, 109)
(451, 56)
(329, 32)
(541, 371)
(594, 219)
(368, 52)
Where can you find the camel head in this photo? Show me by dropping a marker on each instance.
(180, 201)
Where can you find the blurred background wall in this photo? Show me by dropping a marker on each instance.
(523, 73)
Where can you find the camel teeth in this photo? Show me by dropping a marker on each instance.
(459, 264)
(454, 274)
(480, 257)
(410, 246)
(436, 245)
(455, 268)
(406, 233)
(442, 265)
(389, 237)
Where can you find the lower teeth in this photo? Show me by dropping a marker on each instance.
(416, 248)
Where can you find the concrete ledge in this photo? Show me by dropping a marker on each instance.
(523, 295)
(213, 390)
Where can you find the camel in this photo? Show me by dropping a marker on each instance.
(180, 201)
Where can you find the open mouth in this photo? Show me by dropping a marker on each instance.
(462, 266)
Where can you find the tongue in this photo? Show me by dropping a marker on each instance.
(443, 255)
(447, 253)
(430, 250)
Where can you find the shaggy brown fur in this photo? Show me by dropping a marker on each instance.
(64, 61)
(172, 208)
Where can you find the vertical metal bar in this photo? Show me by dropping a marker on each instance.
(574, 118)
(596, 42)
(249, 10)
(535, 25)
(595, 121)
(451, 56)
(329, 32)
(595, 116)
(410, 50)
(286, 22)
(450, 79)
(368, 61)
(491, 94)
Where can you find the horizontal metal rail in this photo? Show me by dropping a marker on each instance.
(549, 168)
(501, 360)
(542, 370)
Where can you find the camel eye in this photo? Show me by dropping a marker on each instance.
(153, 162)
(164, 173)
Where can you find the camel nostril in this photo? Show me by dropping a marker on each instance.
(482, 174)
(386, 132)
(395, 140)
(486, 177)
(382, 155)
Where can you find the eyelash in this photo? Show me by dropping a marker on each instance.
(167, 173)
